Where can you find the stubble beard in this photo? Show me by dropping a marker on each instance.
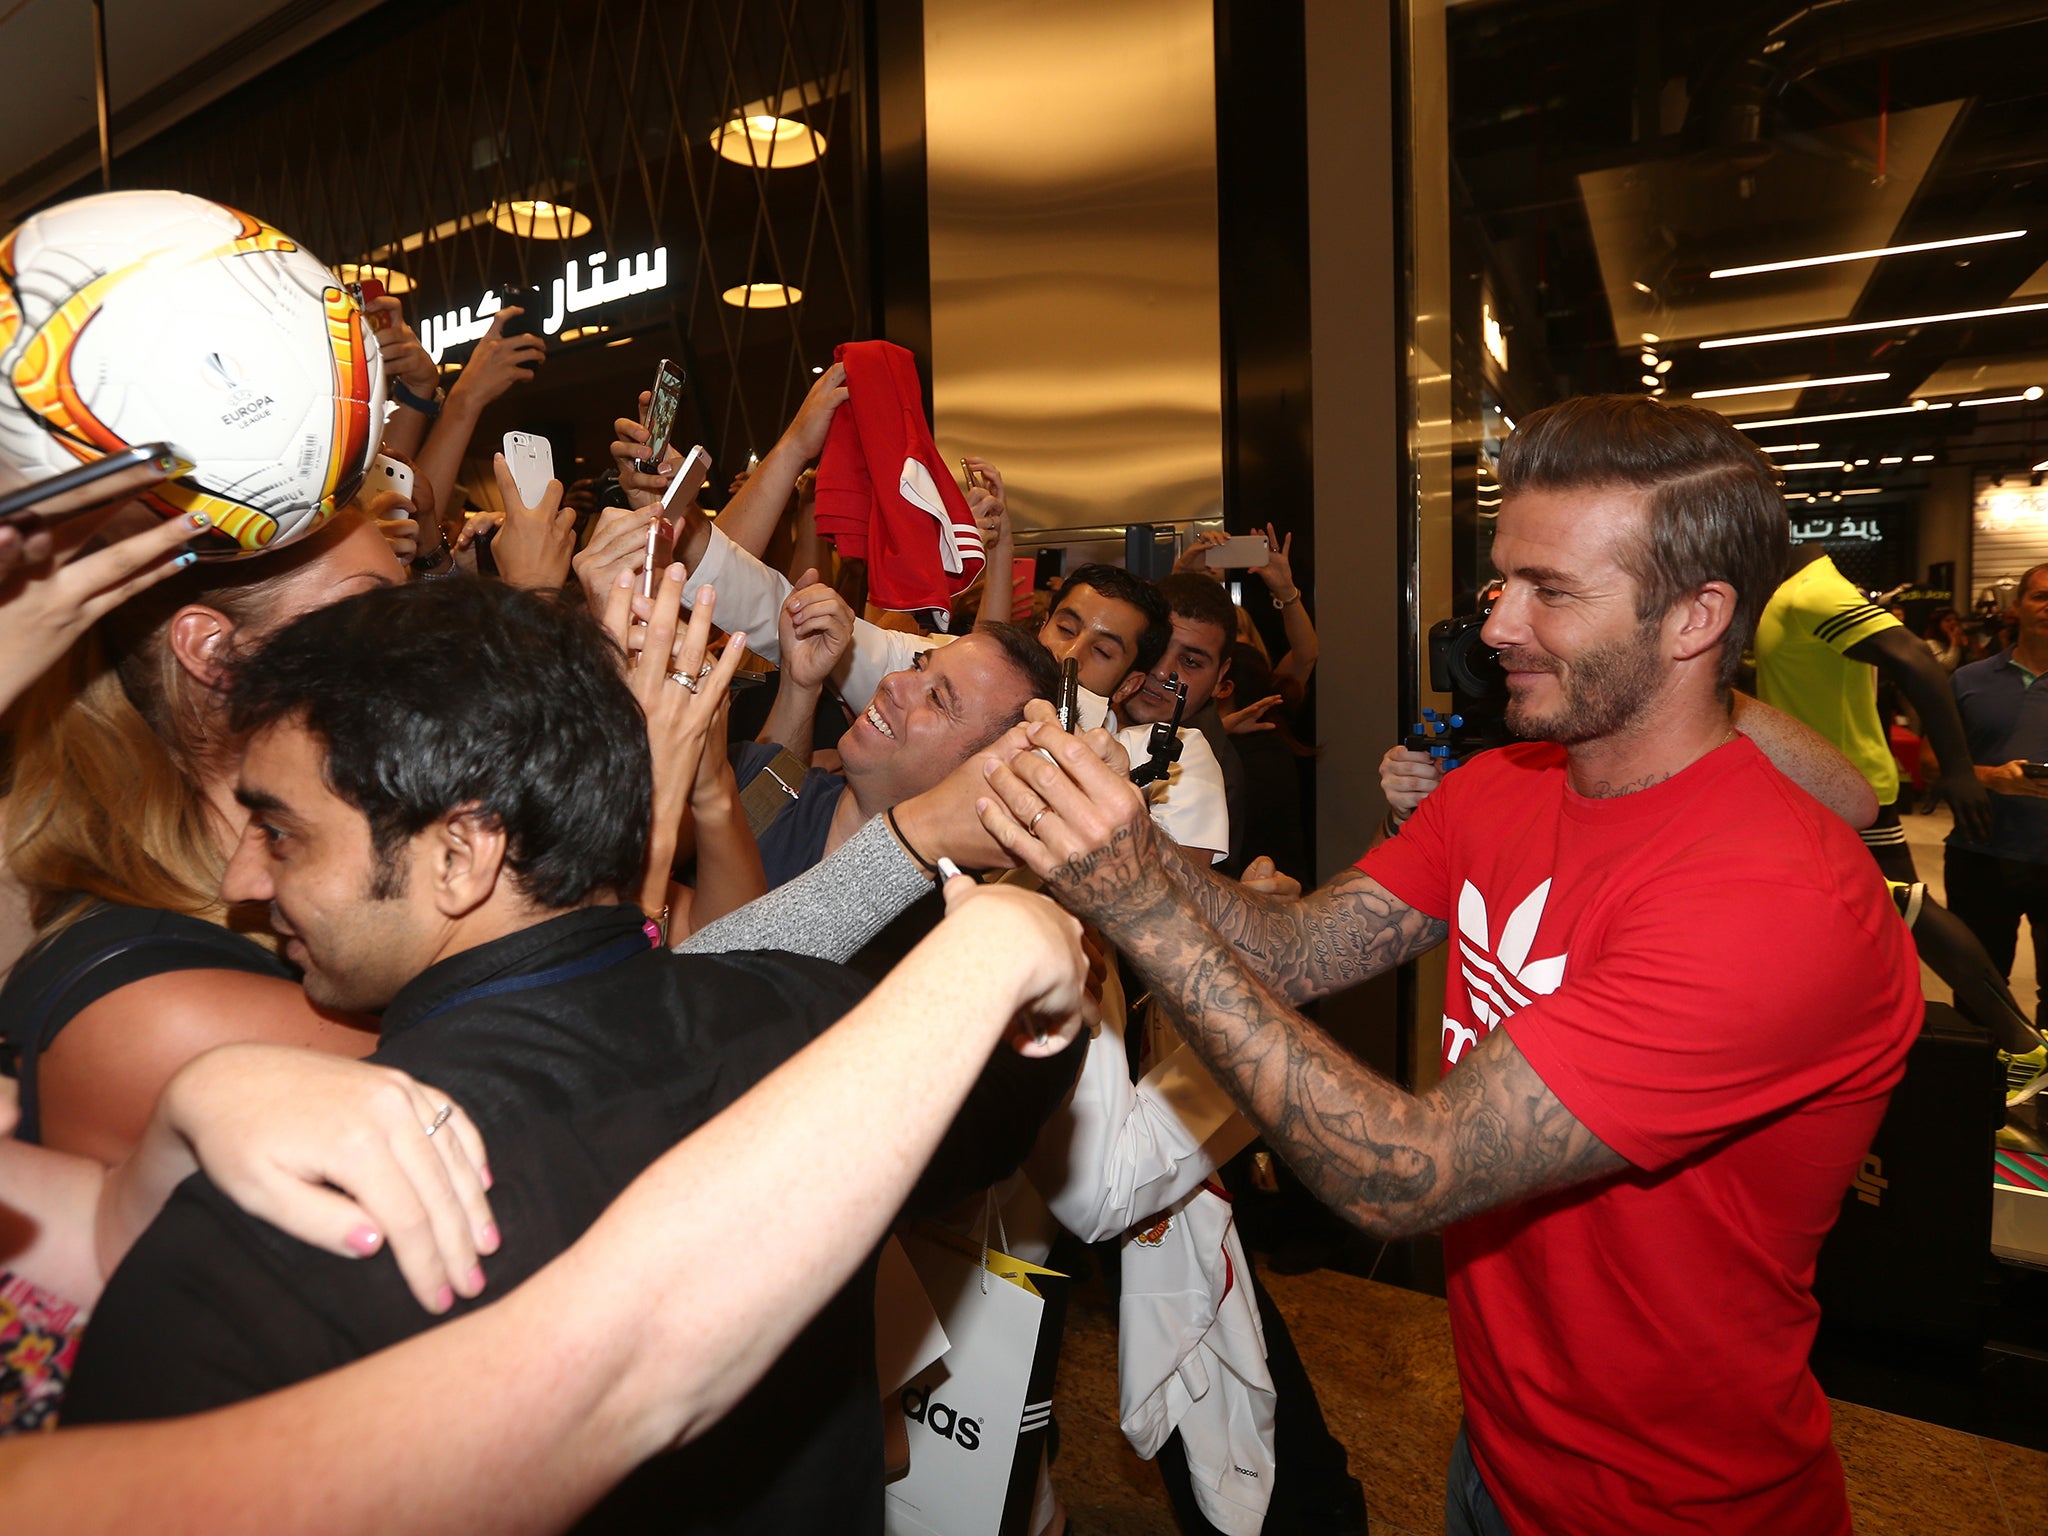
(1605, 690)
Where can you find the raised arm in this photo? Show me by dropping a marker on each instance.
(750, 518)
(1390, 1162)
(702, 1272)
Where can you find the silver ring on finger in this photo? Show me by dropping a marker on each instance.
(685, 680)
(1043, 812)
(441, 1118)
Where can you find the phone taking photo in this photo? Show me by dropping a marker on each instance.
(387, 474)
(25, 507)
(531, 459)
(528, 302)
(667, 396)
(1240, 553)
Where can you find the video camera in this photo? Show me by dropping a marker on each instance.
(1463, 665)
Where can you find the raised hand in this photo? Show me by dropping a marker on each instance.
(1243, 722)
(498, 363)
(534, 546)
(814, 627)
(1196, 556)
(397, 519)
(404, 358)
(807, 433)
(55, 590)
(630, 442)
(1407, 778)
(1277, 572)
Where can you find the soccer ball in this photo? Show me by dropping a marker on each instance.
(143, 317)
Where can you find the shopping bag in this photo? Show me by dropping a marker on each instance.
(978, 1416)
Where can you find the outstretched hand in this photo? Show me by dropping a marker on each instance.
(1024, 928)
(534, 546)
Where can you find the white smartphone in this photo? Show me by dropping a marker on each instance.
(690, 478)
(390, 475)
(532, 462)
(1240, 553)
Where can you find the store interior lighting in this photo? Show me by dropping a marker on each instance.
(762, 296)
(1883, 250)
(1904, 322)
(395, 282)
(767, 141)
(1787, 447)
(1788, 384)
(536, 218)
(1814, 464)
(1801, 421)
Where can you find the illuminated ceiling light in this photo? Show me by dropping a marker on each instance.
(2037, 468)
(1864, 490)
(1923, 458)
(1648, 359)
(623, 341)
(769, 142)
(1785, 384)
(1788, 447)
(1800, 421)
(1650, 338)
(1900, 324)
(1813, 464)
(1650, 380)
(1504, 416)
(1860, 463)
(762, 296)
(394, 281)
(819, 369)
(1663, 367)
(2032, 394)
(1641, 287)
(1883, 250)
(585, 332)
(535, 218)
(1892, 459)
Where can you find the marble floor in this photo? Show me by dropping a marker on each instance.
(1381, 1359)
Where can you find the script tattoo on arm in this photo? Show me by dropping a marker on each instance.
(1310, 946)
(1390, 1162)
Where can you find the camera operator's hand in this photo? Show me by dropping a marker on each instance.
(498, 363)
(1406, 779)
(534, 546)
(2011, 779)
(404, 358)
(1196, 556)
(814, 628)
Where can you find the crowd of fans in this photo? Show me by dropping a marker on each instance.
(429, 915)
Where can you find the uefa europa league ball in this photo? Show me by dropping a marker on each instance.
(146, 317)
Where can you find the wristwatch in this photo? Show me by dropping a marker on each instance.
(426, 405)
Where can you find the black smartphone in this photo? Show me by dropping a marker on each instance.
(25, 506)
(528, 321)
(2034, 770)
(661, 415)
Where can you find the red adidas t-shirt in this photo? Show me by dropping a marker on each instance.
(1711, 977)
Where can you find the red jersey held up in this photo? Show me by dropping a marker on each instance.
(885, 496)
(1710, 976)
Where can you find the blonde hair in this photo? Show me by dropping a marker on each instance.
(112, 744)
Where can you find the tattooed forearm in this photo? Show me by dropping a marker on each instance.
(1390, 1162)
(1323, 942)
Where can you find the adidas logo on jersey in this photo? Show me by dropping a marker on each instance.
(1500, 978)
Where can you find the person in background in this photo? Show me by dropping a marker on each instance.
(1995, 877)
(1945, 639)
(1291, 674)
(495, 365)
(1816, 645)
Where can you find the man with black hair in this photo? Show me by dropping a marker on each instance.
(449, 787)
(1113, 625)
(1204, 628)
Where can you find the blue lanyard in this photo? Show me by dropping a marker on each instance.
(602, 960)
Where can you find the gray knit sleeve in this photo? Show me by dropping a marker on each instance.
(830, 910)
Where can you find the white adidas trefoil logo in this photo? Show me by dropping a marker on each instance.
(1499, 977)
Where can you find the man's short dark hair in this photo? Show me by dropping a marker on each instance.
(1716, 512)
(2026, 578)
(1190, 595)
(1119, 585)
(442, 694)
(1040, 671)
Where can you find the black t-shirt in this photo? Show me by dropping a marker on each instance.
(104, 951)
(594, 1055)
